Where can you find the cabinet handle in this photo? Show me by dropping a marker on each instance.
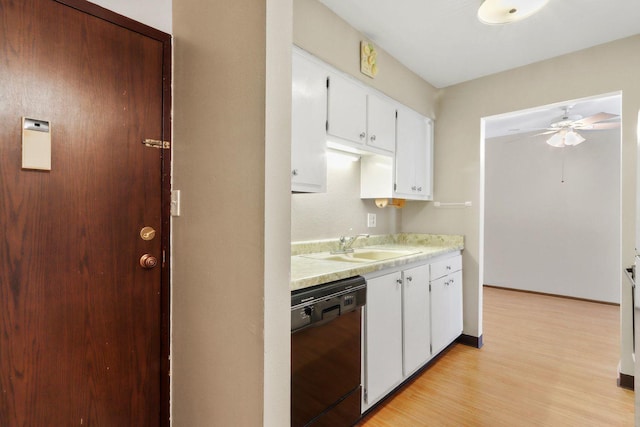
(373, 137)
(399, 281)
(294, 172)
(409, 278)
(362, 135)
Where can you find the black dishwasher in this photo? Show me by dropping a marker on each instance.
(325, 353)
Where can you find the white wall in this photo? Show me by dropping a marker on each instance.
(339, 211)
(154, 13)
(548, 236)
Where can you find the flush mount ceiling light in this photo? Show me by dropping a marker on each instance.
(506, 11)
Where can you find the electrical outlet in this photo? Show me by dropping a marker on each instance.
(371, 220)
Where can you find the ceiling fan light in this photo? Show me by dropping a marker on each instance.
(556, 140)
(573, 138)
(506, 11)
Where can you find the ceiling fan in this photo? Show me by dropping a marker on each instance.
(564, 131)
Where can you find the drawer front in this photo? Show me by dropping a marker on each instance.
(447, 266)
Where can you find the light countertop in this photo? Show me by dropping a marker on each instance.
(306, 271)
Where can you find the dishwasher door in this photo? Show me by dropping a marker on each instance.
(325, 353)
(325, 372)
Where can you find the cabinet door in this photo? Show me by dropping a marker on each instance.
(308, 118)
(439, 314)
(408, 126)
(383, 336)
(423, 150)
(381, 123)
(347, 112)
(446, 310)
(414, 169)
(455, 301)
(416, 319)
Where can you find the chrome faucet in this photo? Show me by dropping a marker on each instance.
(345, 243)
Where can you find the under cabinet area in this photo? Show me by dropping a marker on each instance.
(409, 173)
(412, 313)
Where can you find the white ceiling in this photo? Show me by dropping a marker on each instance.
(535, 120)
(444, 43)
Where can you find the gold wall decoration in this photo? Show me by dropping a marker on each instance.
(368, 64)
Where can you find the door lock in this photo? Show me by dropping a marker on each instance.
(148, 261)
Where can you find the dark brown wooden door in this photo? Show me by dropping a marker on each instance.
(80, 319)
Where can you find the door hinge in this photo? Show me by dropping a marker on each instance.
(429, 287)
(366, 395)
(395, 187)
(326, 125)
(155, 143)
(430, 348)
(327, 82)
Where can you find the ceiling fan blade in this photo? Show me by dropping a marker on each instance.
(546, 133)
(600, 126)
(594, 119)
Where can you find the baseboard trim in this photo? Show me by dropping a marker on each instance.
(470, 340)
(626, 381)
(551, 295)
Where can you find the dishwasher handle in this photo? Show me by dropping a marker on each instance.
(330, 313)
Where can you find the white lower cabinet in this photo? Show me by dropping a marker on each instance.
(446, 302)
(383, 336)
(415, 318)
(410, 316)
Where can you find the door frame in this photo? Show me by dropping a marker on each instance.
(165, 285)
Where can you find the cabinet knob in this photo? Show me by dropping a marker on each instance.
(399, 281)
(373, 137)
(413, 188)
(409, 278)
(294, 172)
(362, 135)
(419, 188)
(448, 267)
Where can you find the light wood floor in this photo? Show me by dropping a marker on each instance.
(546, 361)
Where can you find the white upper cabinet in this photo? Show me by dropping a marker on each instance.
(347, 112)
(414, 156)
(308, 118)
(381, 123)
(359, 117)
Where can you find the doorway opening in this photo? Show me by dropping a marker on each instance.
(551, 216)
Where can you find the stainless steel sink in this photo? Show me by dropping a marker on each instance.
(362, 255)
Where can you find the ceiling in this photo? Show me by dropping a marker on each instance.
(535, 120)
(443, 42)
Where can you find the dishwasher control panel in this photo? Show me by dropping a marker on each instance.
(326, 302)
